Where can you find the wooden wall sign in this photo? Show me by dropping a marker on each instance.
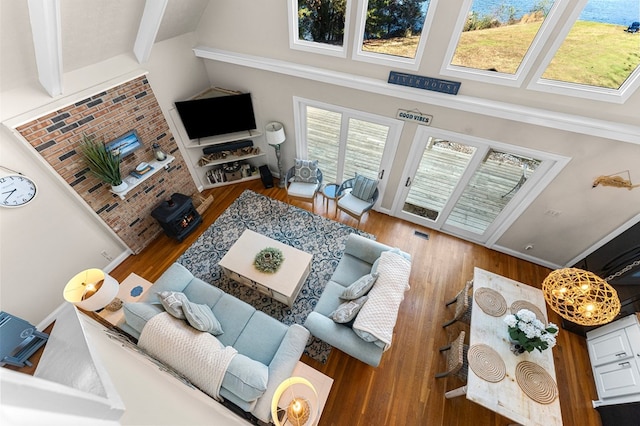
(414, 116)
(426, 83)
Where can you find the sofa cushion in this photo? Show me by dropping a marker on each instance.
(306, 171)
(233, 314)
(330, 299)
(172, 302)
(246, 378)
(349, 269)
(261, 337)
(363, 187)
(200, 317)
(348, 310)
(360, 287)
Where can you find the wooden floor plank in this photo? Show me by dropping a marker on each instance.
(403, 390)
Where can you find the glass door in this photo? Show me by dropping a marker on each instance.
(465, 187)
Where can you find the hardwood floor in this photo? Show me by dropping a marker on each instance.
(403, 390)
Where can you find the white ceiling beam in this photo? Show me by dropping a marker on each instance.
(148, 30)
(47, 42)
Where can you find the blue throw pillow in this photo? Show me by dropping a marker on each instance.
(363, 187)
(201, 318)
(306, 171)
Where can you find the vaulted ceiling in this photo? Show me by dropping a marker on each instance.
(90, 31)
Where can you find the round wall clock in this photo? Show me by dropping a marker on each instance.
(16, 190)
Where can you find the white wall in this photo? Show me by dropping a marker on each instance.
(587, 215)
(47, 242)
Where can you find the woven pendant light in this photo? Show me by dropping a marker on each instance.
(581, 296)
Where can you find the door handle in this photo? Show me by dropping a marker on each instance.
(408, 182)
(624, 364)
(621, 354)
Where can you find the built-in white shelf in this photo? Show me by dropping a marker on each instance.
(231, 182)
(231, 159)
(217, 140)
(133, 182)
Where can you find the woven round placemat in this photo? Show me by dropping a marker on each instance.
(490, 301)
(523, 304)
(536, 382)
(486, 363)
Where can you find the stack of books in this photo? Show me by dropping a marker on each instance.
(141, 171)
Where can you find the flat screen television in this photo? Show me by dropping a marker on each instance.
(217, 116)
(125, 144)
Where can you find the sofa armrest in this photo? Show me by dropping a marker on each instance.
(364, 248)
(281, 367)
(176, 278)
(343, 338)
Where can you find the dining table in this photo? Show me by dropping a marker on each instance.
(521, 387)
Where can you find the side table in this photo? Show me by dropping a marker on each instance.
(330, 192)
(321, 382)
(131, 289)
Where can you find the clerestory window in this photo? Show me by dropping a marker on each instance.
(499, 40)
(393, 32)
(597, 54)
(319, 26)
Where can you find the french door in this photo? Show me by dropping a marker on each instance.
(346, 142)
(467, 186)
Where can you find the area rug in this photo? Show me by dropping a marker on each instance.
(299, 228)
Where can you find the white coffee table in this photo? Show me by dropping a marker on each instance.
(282, 285)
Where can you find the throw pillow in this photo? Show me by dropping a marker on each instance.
(172, 302)
(360, 287)
(201, 318)
(306, 171)
(347, 310)
(363, 187)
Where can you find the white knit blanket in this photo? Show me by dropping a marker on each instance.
(198, 355)
(379, 313)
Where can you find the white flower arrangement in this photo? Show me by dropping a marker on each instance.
(530, 332)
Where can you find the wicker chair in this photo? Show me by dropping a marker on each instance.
(464, 305)
(300, 190)
(456, 358)
(352, 205)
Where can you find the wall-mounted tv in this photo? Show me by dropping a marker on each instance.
(217, 116)
(125, 144)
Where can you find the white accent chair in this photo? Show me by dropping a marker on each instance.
(352, 205)
(302, 190)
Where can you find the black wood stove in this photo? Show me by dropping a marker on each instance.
(177, 216)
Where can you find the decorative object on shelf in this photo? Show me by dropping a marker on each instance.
(158, 152)
(207, 159)
(103, 163)
(92, 290)
(232, 171)
(422, 82)
(299, 401)
(615, 180)
(581, 296)
(275, 137)
(17, 189)
(268, 260)
(528, 333)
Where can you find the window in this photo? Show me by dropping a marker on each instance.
(393, 32)
(346, 142)
(595, 56)
(319, 25)
(498, 41)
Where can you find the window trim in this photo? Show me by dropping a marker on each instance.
(537, 83)
(524, 69)
(312, 46)
(382, 58)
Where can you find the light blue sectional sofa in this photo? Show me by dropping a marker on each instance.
(360, 254)
(268, 350)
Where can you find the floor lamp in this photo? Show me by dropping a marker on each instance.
(275, 137)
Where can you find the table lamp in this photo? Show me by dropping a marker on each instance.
(581, 297)
(92, 289)
(295, 402)
(275, 137)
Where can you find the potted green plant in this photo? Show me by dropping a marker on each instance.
(103, 163)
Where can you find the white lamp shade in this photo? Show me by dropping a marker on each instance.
(80, 284)
(275, 133)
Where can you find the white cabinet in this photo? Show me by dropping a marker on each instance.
(614, 351)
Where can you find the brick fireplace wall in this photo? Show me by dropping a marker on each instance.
(106, 116)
